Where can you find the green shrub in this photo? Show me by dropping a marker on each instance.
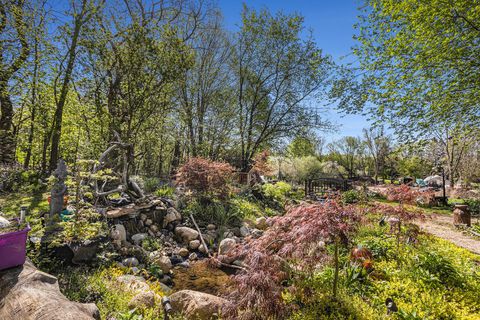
(151, 184)
(350, 196)
(435, 269)
(245, 208)
(473, 205)
(279, 191)
(165, 191)
(213, 211)
(151, 244)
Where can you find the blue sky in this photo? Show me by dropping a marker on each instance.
(331, 22)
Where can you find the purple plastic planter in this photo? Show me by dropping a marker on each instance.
(13, 248)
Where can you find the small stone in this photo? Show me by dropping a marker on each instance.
(134, 283)
(151, 233)
(161, 260)
(166, 280)
(130, 262)
(186, 234)
(197, 305)
(257, 233)
(202, 249)
(135, 270)
(154, 228)
(226, 245)
(184, 264)
(141, 224)
(244, 231)
(194, 244)
(4, 222)
(236, 232)
(166, 289)
(142, 300)
(183, 252)
(139, 237)
(143, 217)
(176, 259)
(171, 216)
(228, 234)
(118, 233)
(261, 223)
(148, 222)
(209, 238)
(211, 227)
(193, 256)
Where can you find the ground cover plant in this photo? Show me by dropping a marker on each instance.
(435, 280)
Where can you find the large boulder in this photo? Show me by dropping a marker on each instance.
(197, 305)
(186, 234)
(29, 294)
(142, 300)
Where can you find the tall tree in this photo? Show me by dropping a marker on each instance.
(82, 12)
(14, 51)
(276, 72)
(378, 145)
(206, 93)
(419, 63)
(347, 151)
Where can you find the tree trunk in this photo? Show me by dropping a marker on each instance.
(7, 152)
(33, 108)
(57, 130)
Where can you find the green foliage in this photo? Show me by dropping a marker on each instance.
(351, 196)
(438, 270)
(436, 280)
(111, 297)
(165, 191)
(279, 191)
(301, 147)
(151, 244)
(246, 208)
(301, 168)
(150, 184)
(414, 166)
(213, 211)
(423, 50)
(84, 225)
(473, 205)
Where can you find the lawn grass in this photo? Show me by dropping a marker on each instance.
(36, 203)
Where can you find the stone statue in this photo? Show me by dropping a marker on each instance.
(59, 189)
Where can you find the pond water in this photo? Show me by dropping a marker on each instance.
(201, 277)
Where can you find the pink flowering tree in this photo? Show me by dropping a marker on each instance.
(296, 241)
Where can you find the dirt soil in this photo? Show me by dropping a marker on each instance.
(442, 226)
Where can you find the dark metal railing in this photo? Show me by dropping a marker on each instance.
(322, 185)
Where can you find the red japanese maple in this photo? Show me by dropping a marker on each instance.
(295, 240)
(205, 176)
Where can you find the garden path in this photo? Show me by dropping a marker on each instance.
(440, 225)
